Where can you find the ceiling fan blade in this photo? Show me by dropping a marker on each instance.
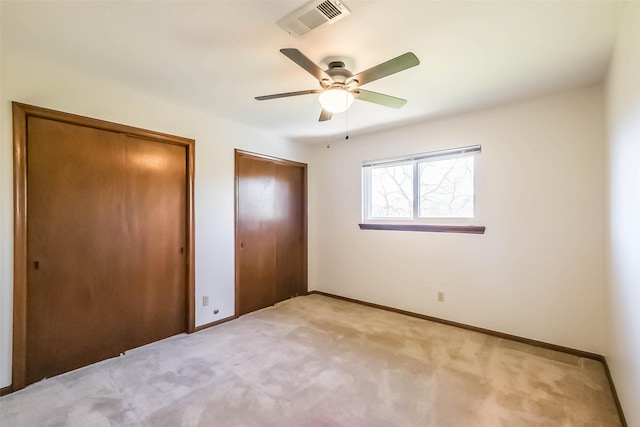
(379, 98)
(325, 115)
(284, 95)
(298, 57)
(387, 68)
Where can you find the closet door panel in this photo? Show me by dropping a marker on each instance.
(75, 246)
(155, 237)
(289, 222)
(256, 235)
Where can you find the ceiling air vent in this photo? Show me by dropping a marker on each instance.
(312, 15)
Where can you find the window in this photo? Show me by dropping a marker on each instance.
(420, 189)
(446, 188)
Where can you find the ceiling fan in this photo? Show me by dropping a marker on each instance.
(340, 87)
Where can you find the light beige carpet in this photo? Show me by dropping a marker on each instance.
(318, 361)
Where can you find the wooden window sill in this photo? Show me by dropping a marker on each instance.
(470, 229)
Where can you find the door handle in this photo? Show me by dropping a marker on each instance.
(36, 265)
(241, 245)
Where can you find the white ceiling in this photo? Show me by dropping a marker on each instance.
(217, 55)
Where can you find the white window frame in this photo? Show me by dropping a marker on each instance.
(416, 159)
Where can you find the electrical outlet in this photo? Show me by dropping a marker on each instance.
(205, 300)
(441, 296)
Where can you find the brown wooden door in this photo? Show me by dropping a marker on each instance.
(256, 237)
(270, 231)
(74, 172)
(105, 245)
(290, 231)
(155, 238)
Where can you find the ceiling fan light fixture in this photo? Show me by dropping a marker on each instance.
(336, 100)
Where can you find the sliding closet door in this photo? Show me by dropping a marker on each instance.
(104, 240)
(290, 227)
(271, 231)
(256, 234)
(74, 237)
(155, 217)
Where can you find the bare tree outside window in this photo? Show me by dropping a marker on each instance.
(446, 188)
(392, 191)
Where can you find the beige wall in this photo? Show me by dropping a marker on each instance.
(34, 80)
(537, 272)
(623, 215)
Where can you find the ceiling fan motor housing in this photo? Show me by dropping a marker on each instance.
(338, 73)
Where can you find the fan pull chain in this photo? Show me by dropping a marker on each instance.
(347, 125)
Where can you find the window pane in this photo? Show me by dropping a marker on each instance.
(446, 188)
(392, 191)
